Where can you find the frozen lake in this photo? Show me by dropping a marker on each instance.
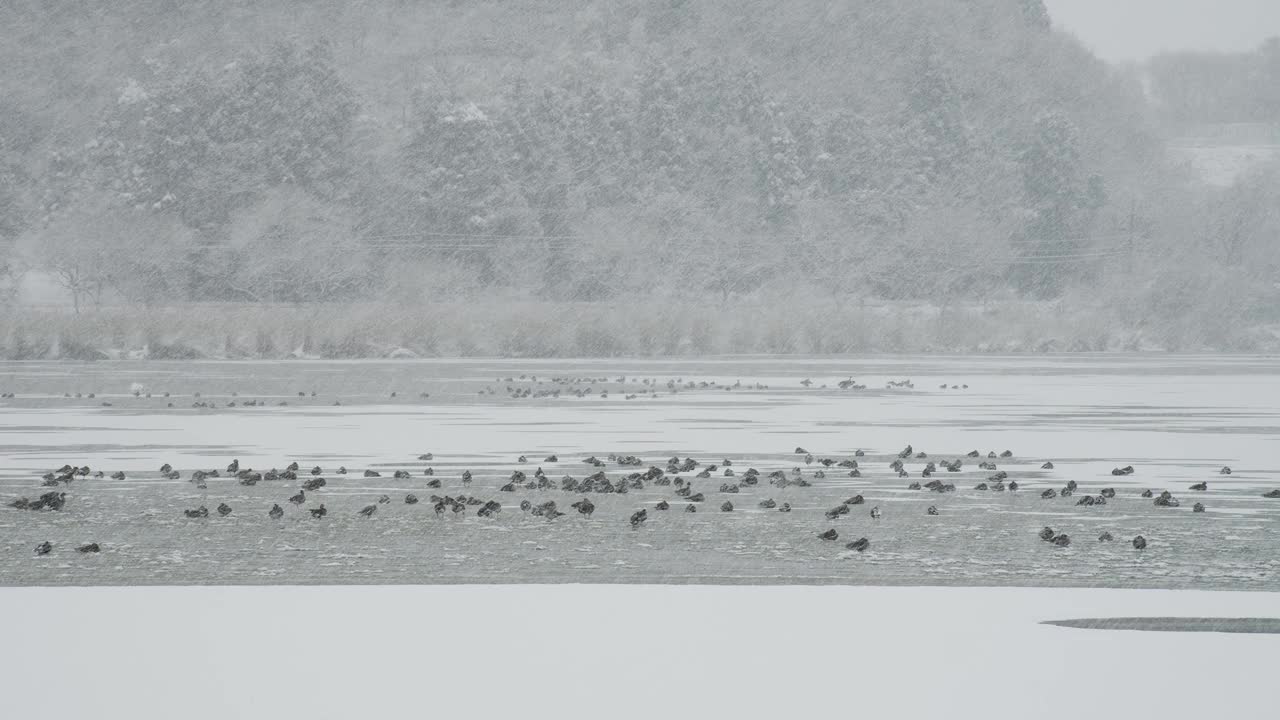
(626, 652)
(1176, 419)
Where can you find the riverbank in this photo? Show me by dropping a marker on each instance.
(652, 328)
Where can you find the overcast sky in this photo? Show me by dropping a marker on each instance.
(1120, 30)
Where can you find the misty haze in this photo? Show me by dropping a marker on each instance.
(204, 179)
(747, 358)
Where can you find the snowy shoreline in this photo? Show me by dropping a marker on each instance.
(667, 329)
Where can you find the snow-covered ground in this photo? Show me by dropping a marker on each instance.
(624, 652)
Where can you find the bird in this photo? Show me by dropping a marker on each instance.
(224, 509)
(319, 512)
(829, 535)
(276, 512)
(1139, 543)
(860, 545)
(300, 498)
(89, 548)
(638, 517)
(44, 548)
(368, 510)
(875, 513)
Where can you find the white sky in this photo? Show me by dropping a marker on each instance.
(1121, 30)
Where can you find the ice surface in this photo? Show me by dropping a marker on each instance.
(1177, 419)
(578, 651)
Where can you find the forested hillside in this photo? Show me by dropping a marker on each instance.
(784, 154)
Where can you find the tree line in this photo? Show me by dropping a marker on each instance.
(933, 150)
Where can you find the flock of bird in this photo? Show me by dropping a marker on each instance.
(679, 475)
(513, 387)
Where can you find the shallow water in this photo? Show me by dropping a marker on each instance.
(1177, 419)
